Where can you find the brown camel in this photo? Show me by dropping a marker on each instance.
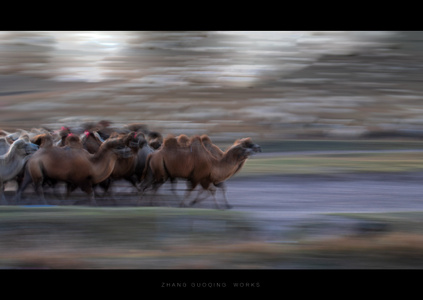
(91, 141)
(196, 164)
(13, 161)
(125, 166)
(74, 165)
(43, 140)
(63, 133)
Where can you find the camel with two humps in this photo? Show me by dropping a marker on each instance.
(13, 161)
(73, 165)
(197, 164)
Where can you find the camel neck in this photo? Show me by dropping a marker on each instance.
(10, 154)
(227, 166)
(103, 164)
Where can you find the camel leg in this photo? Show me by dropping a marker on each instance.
(144, 185)
(111, 195)
(155, 185)
(198, 199)
(222, 186)
(39, 191)
(155, 188)
(25, 182)
(173, 184)
(3, 200)
(188, 193)
(91, 196)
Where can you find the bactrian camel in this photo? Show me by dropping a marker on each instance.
(73, 165)
(13, 161)
(196, 163)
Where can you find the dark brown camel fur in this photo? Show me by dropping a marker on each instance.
(63, 133)
(196, 164)
(91, 141)
(74, 165)
(125, 166)
(43, 140)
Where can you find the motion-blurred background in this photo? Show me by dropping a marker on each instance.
(267, 85)
(338, 115)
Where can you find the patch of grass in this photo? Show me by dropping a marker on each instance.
(350, 145)
(335, 163)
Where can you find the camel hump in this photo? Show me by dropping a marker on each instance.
(206, 139)
(43, 140)
(183, 140)
(195, 141)
(73, 141)
(170, 142)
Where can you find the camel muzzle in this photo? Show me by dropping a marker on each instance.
(31, 148)
(256, 148)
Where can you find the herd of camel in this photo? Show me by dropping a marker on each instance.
(98, 154)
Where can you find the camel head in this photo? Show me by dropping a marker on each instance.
(154, 139)
(139, 139)
(134, 140)
(249, 148)
(24, 148)
(117, 145)
(73, 141)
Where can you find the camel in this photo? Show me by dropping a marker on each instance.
(4, 145)
(143, 152)
(125, 166)
(196, 164)
(154, 139)
(91, 141)
(73, 165)
(13, 161)
(43, 140)
(63, 133)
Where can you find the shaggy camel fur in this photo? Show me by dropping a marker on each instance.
(125, 166)
(4, 145)
(196, 164)
(143, 152)
(43, 140)
(12, 162)
(73, 165)
(91, 141)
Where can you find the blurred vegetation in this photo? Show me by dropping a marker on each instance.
(166, 238)
(334, 163)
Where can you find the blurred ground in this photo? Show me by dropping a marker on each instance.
(338, 115)
(268, 85)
